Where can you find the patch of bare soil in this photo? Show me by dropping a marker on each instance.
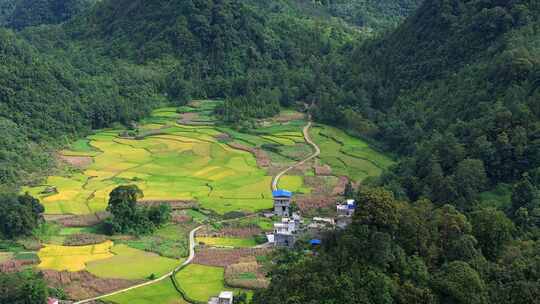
(286, 117)
(325, 192)
(321, 184)
(188, 118)
(181, 218)
(85, 220)
(234, 272)
(223, 137)
(340, 186)
(12, 266)
(83, 239)
(309, 202)
(82, 284)
(80, 162)
(263, 160)
(225, 257)
(323, 170)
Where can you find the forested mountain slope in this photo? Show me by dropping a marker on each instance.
(46, 101)
(6, 9)
(456, 82)
(455, 89)
(19, 14)
(374, 14)
(119, 59)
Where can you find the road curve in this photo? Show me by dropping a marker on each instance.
(192, 244)
(312, 156)
(165, 276)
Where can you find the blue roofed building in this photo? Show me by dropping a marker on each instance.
(315, 242)
(282, 202)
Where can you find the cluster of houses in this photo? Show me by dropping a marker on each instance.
(287, 230)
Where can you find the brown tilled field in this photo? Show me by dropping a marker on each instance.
(15, 265)
(86, 220)
(247, 275)
(82, 284)
(225, 257)
(263, 160)
(80, 162)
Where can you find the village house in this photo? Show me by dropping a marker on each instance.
(320, 224)
(225, 297)
(345, 213)
(284, 232)
(282, 202)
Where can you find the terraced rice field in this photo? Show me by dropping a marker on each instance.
(293, 183)
(228, 242)
(161, 292)
(132, 264)
(201, 282)
(73, 258)
(347, 155)
(168, 161)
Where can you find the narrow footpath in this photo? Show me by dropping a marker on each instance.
(317, 152)
(192, 243)
(165, 276)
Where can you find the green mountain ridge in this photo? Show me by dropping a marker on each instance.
(454, 90)
(425, 84)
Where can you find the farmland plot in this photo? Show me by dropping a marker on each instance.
(168, 161)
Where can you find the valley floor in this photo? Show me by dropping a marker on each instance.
(214, 177)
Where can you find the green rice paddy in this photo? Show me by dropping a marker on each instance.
(347, 155)
(228, 242)
(172, 162)
(169, 241)
(161, 292)
(201, 282)
(132, 264)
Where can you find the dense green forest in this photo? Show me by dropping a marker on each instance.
(45, 100)
(119, 59)
(19, 14)
(454, 90)
(374, 14)
(399, 252)
(6, 9)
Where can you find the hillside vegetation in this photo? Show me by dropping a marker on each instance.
(454, 89)
(59, 82)
(373, 14)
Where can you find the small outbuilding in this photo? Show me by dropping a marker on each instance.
(315, 242)
(225, 297)
(345, 213)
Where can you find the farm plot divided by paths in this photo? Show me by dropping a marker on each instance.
(347, 155)
(171, 160)
(174, 162)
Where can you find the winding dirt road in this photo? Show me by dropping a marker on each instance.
(165, 276)
(192, 243)
(317, 152)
